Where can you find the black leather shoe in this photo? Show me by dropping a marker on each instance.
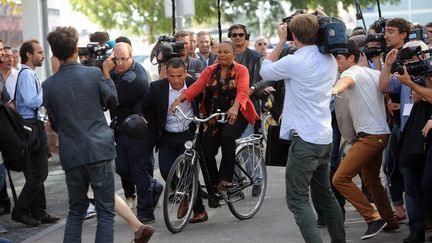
(414, 238)
(26, 219)
(49, 219)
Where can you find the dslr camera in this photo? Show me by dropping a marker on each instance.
(379, 27)
(168, 47)
(420, 68)
(96, 53)
(332, 37)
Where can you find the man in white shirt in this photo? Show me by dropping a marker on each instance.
(306, 120)
(367, 109)
(171, 131)
(9, 74)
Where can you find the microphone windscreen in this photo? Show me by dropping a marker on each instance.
(111, 44)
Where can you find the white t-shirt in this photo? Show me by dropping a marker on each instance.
(11, 82)
(367, 106)
(309, 77)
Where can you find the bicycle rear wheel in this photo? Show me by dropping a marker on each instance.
(180, 193)
(250, 183)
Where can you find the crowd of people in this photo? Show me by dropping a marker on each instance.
(110, 119)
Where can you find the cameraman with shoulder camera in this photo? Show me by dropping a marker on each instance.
(134, 155)
(194, 66)
(416, 154)
(308, 76)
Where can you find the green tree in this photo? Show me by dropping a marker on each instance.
(137, 17)
(140, 17)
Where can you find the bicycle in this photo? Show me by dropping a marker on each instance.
(182, 182)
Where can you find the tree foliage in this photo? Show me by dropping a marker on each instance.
(137, 17)
(147, 16)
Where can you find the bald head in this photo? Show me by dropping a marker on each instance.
(122, 56)
(123, 47)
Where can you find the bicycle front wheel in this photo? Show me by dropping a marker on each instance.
(180, 193)
(250, 180)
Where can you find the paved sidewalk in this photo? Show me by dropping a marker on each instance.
(273, 223)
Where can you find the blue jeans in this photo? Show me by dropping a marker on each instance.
(4, 240)
(414, 198)
(308, 165)
(100, 176)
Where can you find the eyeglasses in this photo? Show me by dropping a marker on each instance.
(241, 35)
(262, 44)
(120, 59)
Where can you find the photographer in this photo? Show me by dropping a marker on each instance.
(414, 145)
(133, 154)
(396, 32)
(194, 66)
(309, 76)
(73, 98)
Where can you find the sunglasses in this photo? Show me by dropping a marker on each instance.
(241, 35)
(262, 44)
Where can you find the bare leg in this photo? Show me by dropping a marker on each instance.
(122, 209)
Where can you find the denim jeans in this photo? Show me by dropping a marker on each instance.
(100, 176)
(308, 165)
(4, 240)
(32, 197)
(414, 198)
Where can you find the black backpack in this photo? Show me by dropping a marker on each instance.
(13, 139)
(332, 37)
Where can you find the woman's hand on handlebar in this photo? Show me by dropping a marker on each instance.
(232, 114)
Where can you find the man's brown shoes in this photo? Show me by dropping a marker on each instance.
(199, 217)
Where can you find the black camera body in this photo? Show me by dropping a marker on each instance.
(422, 67)
(379, 27)
(96, 53)
(332, 37)
(168, 47)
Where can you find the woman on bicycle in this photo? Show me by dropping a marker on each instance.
(225, 87)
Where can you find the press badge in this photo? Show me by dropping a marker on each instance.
(407, 109)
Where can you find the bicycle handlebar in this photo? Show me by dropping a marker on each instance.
(200, 120)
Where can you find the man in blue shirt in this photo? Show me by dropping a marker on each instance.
(30, 208)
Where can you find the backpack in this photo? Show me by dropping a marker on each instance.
(13, 139)
(332, 37)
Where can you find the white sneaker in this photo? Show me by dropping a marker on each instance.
(3, 229)
(91, 211)
(130, 201)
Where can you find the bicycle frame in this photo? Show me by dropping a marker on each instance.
(194, 150)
